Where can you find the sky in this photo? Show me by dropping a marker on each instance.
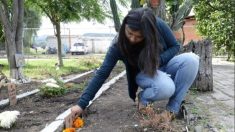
(80, 28)
(77, 28)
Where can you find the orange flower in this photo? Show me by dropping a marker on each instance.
(69, 130)
(78, 123)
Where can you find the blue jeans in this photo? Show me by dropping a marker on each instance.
(171, 81)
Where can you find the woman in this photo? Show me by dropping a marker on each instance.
(148, 49)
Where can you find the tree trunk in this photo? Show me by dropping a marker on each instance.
(160, 10)
(204, 79)
(13, 28)
(116, 19)
(11, 51)
(183, 39)
(59, 47)
(19, 30)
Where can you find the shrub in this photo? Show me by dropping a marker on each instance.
(52, 91)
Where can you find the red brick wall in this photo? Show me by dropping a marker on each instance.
(190, 30)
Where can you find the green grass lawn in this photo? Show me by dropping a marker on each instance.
(44, 68)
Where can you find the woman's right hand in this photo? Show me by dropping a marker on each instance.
(76, 110)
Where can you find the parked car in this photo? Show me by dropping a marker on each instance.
(50, 50)
(79, 48)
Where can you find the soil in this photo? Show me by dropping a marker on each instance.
(25, 87)
(37, 111)
(114, 111)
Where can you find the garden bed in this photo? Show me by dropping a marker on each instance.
(23, 88)
(37, 111)
(113, 111)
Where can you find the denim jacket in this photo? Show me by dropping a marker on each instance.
(170, 49)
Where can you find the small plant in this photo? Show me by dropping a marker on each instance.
(52, 91)
(193, 91)
(59, 81)
(8, 118)
(82, 85)
(194, 110)
(157, 121)
(69, 130)
(77, 123)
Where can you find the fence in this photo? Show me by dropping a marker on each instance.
(40, 41)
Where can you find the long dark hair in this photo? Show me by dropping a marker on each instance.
(144, 20)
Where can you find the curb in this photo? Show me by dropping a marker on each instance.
(58, 124)
(6, 102)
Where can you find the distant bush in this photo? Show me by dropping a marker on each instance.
(215, 20)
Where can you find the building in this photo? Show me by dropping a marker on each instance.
(66, 40)
(98, 42)
(190, 30)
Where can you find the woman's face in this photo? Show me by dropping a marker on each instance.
(134, 37)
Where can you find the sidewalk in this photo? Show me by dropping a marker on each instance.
(220, 103)
(209, 111)
(223, 73)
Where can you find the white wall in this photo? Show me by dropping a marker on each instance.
(95, 44)
(98, 45)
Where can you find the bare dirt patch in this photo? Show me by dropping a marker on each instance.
(25, 87)
(114, 111)
(37, 111)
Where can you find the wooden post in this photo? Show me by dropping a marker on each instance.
(203, 48)
(8, 89)
(12, 93)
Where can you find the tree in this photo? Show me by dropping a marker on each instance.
(1, 38)
(114, 6)
(216, 21)
(32, 21)
(1, 33)
(68, 10)
(159, 8)
(178, 10)
(11, 17)
(172, 11)
(116, 19)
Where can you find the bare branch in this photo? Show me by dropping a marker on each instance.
(19, 29)
(7, 13)
(44, 10)
(5, 21)
(15, 13)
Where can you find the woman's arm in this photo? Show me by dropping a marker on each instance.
(171, 46)
(101, 75)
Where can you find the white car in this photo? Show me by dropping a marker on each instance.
(79, 48)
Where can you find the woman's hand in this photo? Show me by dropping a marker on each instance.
(76, 110)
